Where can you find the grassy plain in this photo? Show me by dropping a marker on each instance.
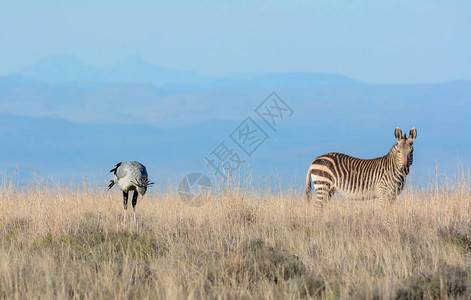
(58, 242)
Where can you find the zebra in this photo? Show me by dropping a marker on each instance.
(382, 178)
(130, 176)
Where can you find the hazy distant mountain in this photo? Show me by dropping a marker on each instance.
(286, 81)
(68, 150)
(66, 68)
(321, 100)
(65, 119)
(61, 69)
(136, 70)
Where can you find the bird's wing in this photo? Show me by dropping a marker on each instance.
(138, 170)
(122, 170)
(144, 172)
(115, 168)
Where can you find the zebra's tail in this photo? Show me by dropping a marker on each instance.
(308, 184)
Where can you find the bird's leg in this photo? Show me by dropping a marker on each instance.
(125, 196)
(134, 202)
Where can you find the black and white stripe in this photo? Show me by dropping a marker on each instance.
(383, 177)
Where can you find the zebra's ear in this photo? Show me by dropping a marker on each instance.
(398, 133)
(412, 135)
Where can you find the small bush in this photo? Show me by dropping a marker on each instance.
(262, 261)
(311, 286)
(451, 281)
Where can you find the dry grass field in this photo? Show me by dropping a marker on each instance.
(58, 243)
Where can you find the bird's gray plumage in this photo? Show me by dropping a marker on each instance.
(130, 176)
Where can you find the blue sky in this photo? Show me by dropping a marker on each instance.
(372, 41)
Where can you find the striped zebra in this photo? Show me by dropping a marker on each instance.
(383, 177)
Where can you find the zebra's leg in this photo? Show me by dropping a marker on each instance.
(134, 202)
(332, 192)
(125, 197)
(323, 194)
(386, 198)
(323, 189)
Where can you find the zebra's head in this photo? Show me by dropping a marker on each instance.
(404, 147)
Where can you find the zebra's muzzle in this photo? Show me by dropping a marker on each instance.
(404, 162)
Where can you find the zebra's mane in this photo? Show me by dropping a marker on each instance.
(393, 150)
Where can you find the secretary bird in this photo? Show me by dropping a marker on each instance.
(130, 176)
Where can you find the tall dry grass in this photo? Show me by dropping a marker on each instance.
(58, 242)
